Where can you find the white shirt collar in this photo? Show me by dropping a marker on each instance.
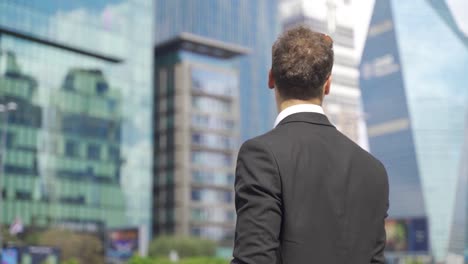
(298, 109)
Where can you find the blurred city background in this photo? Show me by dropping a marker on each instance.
(121, 121)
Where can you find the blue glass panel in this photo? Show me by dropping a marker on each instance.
(437, 99)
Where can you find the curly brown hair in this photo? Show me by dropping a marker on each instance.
(302, 61)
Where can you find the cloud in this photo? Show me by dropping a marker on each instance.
(458, 8)
(362, 11)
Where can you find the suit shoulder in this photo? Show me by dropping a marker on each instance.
(261, 142)
(262, 138)
(371, 158)
(372, 162)
(367, 156)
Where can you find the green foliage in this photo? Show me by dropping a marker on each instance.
(76, 248)
(10, 239)
(27, 237)
(414, 261)
(140, 260)
(184, 246)
(204, 260)
(194, 260)
(83, 248)
(32, 238)
(71, 261)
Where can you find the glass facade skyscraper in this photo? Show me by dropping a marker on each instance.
(458, 244)
(253, 24)
(79, 145)
(413, 82)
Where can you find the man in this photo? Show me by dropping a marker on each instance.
(305, 193)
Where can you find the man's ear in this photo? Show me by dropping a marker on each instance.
(326, 87)
(271, 80)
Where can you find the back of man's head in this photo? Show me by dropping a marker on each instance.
(302, 61)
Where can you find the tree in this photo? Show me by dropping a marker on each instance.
(194, 260)
(83, 248)
(7, 238)
(184, 246)
(71, 261)
(141, 260)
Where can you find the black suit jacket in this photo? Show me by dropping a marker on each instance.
(306, 194)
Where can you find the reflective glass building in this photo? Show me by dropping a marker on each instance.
(79, 145)
(458, 244)
(413, 82)
(253, 24)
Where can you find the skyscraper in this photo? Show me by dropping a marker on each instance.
(414, 91)
(79, 144)
(458, 243)
(253, 24)
(197, 134)
(343, 105)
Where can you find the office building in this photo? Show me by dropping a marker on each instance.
(252, 24)
(79, 144)
(413, 89)
(458, 243)
(343, 105)
(196, 137)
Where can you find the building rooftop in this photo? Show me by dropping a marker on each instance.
(201, 45)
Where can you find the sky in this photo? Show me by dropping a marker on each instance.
(459, 8)
(363, 12)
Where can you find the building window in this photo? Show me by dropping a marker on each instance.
(162, 81)
(112, 105)
(196, 231)
(196, 138)
(114, 153)
(197, 214)
(162, 123)
(101, 88)
(230, 216)
(71, 148)
(10, 138)
(196, 195)
(213, 140)
(227, 197)
(209, 159)
(170, 121)
(162, 105)
(214, 82)
(211, 105)
(213, 178)
(162, 142)
(68, 84)
(23, 195)
(72, 199)
(170, 215)
(94, 152)
(231, 178)
(170, 177)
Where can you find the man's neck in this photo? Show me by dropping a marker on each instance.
(291, 102)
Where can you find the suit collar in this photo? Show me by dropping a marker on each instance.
(298, 108)
(307, 117)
